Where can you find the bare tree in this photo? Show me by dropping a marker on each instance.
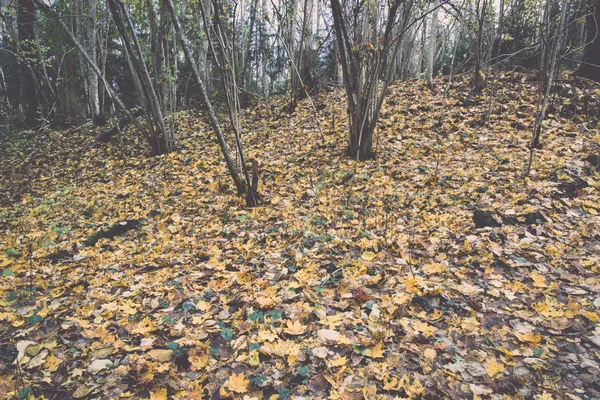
(29, 96)
(432, 40)
(161, 140)
(481, 12)
(547, 73)
(363, 44)
(247, 188)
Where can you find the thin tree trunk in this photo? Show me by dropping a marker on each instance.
(237, 179)
(535, 142)
(248, 44)
(478, 81)
(29, 96)
(91, 31)
(432, 40)
(58, 114)
(160, 140)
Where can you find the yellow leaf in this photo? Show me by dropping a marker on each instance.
(538, 280)
(160, 394)
(376, 351)
(338, 362)
(295, 328)
(238, 383)
(198, 359)
(430, 269)
(368, 256)
(266, 335)
(528, 337)
(410, 285)
(592, 316)
(52, 363)
(423, 327)
(493, 367)
(57, 292)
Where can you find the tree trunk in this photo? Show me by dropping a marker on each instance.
(431, 50)
(590, 63)
(478, 79)
(292, 50)
(160, 140)
(365, 79)
(237, 179)
(48, 84)
(92, 78)
(29, 97)
(248, 44)
(549, 73)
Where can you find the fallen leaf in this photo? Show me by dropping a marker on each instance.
(161, 355)
(368, 256)
(295, 328)
(159, 394)
(98, 365)
(493, 367)
(238, 383)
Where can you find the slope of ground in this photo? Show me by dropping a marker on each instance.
(435, 271)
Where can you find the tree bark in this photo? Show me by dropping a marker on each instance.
(477, 80)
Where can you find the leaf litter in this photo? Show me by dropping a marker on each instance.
(434, 271)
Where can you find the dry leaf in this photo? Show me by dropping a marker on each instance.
(238, 383)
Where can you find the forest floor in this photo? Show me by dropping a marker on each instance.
(435, 271)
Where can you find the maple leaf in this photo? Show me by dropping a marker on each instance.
(198, 358)
(423, 327)
(295, 328)
(538, 280)
(238, 383)
(254, 358)
(376, 351)
(338, 362)
(430, 353)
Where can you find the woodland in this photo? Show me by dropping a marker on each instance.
(300, 199)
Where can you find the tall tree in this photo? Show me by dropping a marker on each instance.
(547, 73)
(481, 11)
(27, 50)
(85, 20)
(432, 39)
